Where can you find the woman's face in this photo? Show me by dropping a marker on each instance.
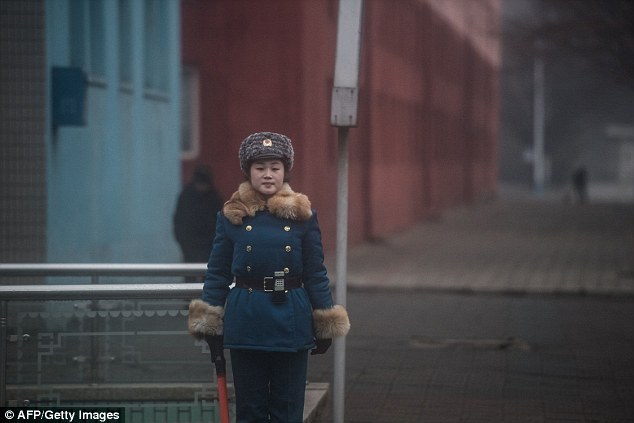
(267, 176)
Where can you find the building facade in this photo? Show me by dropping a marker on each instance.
(428, 109)
(90, 130)
(22, 132)
(102, 186)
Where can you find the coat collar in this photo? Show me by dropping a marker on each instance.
(285, 204)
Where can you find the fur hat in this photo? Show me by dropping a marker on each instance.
(266, 145)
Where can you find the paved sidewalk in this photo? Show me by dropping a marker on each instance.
(516, 244)
(518, 310)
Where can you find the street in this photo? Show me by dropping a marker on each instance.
(516, 310)
(441, 357)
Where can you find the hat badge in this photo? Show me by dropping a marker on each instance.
(267, 143)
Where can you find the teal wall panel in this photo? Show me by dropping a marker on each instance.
(112, 184)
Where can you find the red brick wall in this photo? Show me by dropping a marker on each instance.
(427, 132)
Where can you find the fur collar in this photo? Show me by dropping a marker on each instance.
(286, 204)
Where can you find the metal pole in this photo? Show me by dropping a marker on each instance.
(344, 108)
(539, 168)
(95, 270)
(3, 353)
(342, 272)
(140, 291)
(342, 217)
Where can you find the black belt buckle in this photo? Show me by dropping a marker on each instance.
(279, 288)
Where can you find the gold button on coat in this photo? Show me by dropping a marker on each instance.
(249, 248)
(248, 228)
(287, 228)
(287, 248)
(286, 270)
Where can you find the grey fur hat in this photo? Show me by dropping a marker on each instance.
(266, 145)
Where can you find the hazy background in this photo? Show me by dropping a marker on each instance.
(589, 86)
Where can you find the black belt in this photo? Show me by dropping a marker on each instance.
(267, 284)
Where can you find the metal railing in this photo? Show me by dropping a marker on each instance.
(93, 291)
(94, 271)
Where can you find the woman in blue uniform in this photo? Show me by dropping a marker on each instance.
(268, 243)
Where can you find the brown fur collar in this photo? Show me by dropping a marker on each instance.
(286, 204)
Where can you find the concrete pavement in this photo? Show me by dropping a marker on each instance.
(516, 244)
(517, 310)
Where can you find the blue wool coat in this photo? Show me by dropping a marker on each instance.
(256, 247)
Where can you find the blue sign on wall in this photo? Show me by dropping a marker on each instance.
(69, 95)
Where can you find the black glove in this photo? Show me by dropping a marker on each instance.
(321, 346)
(216, 346)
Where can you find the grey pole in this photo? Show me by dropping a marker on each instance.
(3, 353)
(344, 106)
(539, 166)
(342, 272)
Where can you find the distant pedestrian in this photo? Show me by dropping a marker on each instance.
(268, 243)
(580, 184)
(195, 216)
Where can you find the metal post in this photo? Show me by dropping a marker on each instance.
(344, 107)
(94, 341)
(539, 168)
(339, 380)
(342, 216)
(3, 353)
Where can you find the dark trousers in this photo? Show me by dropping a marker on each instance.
(269, 386)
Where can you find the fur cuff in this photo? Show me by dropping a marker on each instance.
(205, 319)
(331, 322)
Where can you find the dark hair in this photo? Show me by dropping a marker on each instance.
(202, 174)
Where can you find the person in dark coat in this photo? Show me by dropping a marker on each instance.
(580, 184)
(268, 243)
(195, 216)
